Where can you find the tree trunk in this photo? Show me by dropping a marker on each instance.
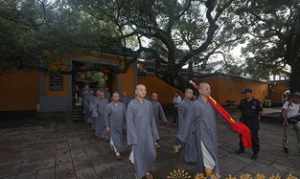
(293, 48)
(169, 42)
(171, 65)
(190, 70)
(294, 82)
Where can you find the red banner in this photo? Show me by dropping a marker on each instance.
(237, 127)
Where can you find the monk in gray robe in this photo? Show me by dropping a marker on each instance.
(126, 99)
(85, 100)
(93, 109)
(159, 112)
(141, 133)
(100, 106)
(203, 127)
(91, 99)
(184, 135)
(115, 123)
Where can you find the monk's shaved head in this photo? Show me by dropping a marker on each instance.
(139, 86)
(154, 96)
(115, 97)
(188, 93)
(204, 89)
(140, 91)
(188, 90)
(203, 84)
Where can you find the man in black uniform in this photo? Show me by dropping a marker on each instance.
(250, 109)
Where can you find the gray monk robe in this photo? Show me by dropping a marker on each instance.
(203, 127)
(184, 133)
(90, 99)
(158, 111)
(115, 120)
(85, 106)
(93, 113)
(141, 135)
(125, 100)
(100, 120)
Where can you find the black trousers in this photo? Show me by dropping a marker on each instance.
(255, 141)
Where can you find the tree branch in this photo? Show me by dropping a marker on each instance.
(210, 33)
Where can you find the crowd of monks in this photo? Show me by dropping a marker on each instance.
(133, 123)
(136, 120)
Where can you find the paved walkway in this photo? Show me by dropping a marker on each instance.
(53, 147)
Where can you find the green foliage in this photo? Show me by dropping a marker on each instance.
(271, 28)
(178, 32)
(34, 32)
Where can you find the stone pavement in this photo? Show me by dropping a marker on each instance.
(52, 146)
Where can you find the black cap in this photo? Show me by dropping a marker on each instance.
(246, 90)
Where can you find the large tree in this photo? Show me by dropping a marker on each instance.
(177, 32)
(180, 32)
(273, 37)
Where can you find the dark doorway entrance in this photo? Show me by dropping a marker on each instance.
(97, 76)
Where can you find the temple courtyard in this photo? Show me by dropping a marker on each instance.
(52, 146)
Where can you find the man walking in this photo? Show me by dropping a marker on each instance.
(291, 115)
(100, 106)
(141, 133)
(159, 112)
(184, 136)
(115, 123)
(203, 129)
(250, 115)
